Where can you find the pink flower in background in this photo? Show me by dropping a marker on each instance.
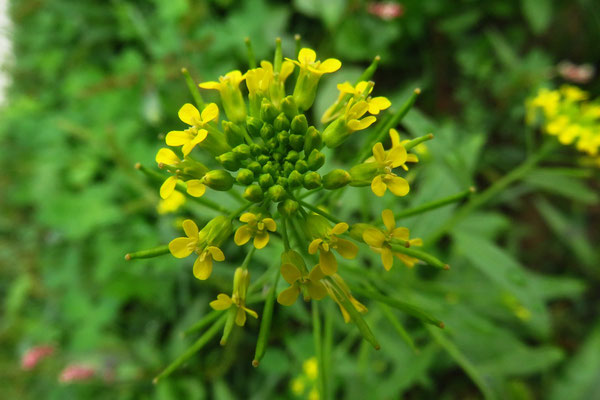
(75, 373)
(386, 10)
(576, 73)
(34, 355)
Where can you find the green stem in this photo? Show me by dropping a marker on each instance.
(421, 255)
(320, 212)
(284, 234)
(193, 88)
(368, 73)
(248, 257)
(398, 326)
(251, 58)
(298, 40)
(417, 141)
(265, 323)
(204, 321)
(435, 204)
(148, 253)
(193, 349)
(493, 191)
(278, 56)
(316, 319)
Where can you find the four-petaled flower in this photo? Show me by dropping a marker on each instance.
(190, 137)
(353, 113)
(182, 247)
(381, 241)
(362, 91)
(237, 299)
(300, 279)
(394, 158)
(307, 60)
(256, 227)
(396, 142)
(324, 245)
(194, 187)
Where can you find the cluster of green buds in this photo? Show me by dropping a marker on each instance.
(270, 156)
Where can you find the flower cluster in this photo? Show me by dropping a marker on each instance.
(568, 114)
(270, 156)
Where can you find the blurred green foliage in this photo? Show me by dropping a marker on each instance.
(95, 86)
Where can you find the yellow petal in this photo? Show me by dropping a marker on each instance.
(316, 290)
(307, 56)
(270, 224)
(373, 237)
(168, 186)
(189, 114)
(346, 248)
(397, 185)
(330, 65)
(247, 217)
(181, 247)
(397, 155)
(361, 87)
(190, 228)
(314, 246)
(379, 153)
(223, 302)
(203, 267)
(327, 262)
(388, 219)
(166, 156)
(340, 228)
(378, 186)
(358, 110)
(261, 239)
(178, 138)
(286, 69)
(416, 242)
(195, 187)
(210, 85)
(387, 258)
(316, 274)
(242, 235)
(251, 312)
(408, 261)
(394, 137)
(359, 125)
(290, 273)
(345, 87)
(288, 296)
(401, 233)
(377, 104)
(240, 317)
(216, 253)
(412, 158)
(210, 113)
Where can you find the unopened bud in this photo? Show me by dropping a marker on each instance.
(253, 125)
(289, 107)
(268, 112)
(295, 179)
(281, 123)
(312, 140)
(292, 156)
(312, 180)
(363, 174)
(267, 131)
(336, 133)
(229, 161)
(245, 176)
(218, 179)
(336, 179)
(255, 167)
(242, 151)
(288, 207)
(297, 142)
(265, 181)
(301, 166)
(299, 125)
(234, 134)
(316, 159)
(254, 193)
(277, 193)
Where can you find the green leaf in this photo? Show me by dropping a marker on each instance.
(561, 182)
(538, 14)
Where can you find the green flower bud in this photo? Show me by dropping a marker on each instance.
(288, 207)
(316, 159)
(268, 112)
(289, 107)
(229, 161)
(234, 134)
(272, 144)
(265, 181)
(255, 167)
(336, 179)
(316, 226)
(301, 166)
(312, 180)
(292, 156)
(277, 156)
(254, 193)
(306, 89)
(288, 167)
(254, 125)
(356, 230)
(283, 138)
(256, 149)
(216, 231)
(283, 181)
(242, 151)
(218, 179)
(299, 125)
(312, 140)
(277, 193)
(297, 142)
(363, 174)
(336, 133)
(245, 176)
(281, 123)
(295, 179)
(267, 131)
(263, 159)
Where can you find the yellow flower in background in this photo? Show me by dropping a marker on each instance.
(182, 247)
(346, 291)
(311, 368)
(194, 187)
(573, 93)
(324, 245)
(194, 135)
(396, 157)
(238, 298)
(547, 100)
(298, 280)
(256, 227)
(381, 241)
(171, 203)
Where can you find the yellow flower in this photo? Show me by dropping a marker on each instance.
(307, 60)
(171, 203)
(231, 96)
(573, 93)
(381, 241)
(298, 386)
(346, 290)
(329, 242)
(189, 138)
(396, 157)
(238, 298)
(194, 187)
(311, 368)
(356, 111)
(313, 394)
(548, 101)
(194, 242)
(256, 227)
(362, 91)
(298, 280)
(395, 139)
